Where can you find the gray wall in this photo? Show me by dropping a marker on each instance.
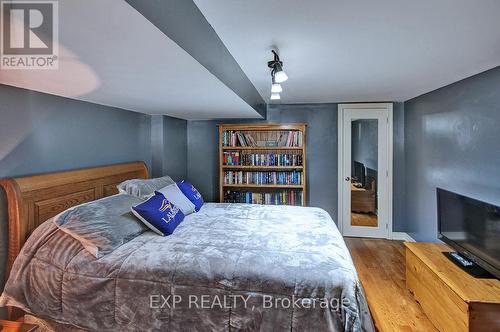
(202, 158)
(169, 145)
(452, 141)
(321, 153)
(447, 138)
(43, 133)
(321, 147)
(365, 142)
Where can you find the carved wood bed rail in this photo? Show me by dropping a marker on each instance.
(32, 200)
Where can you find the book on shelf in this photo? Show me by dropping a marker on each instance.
(283, 197)
(263, 163)
(245, 138)
(275, 178)
(236, 158)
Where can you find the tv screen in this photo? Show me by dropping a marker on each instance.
(471, 227)
(358, 172)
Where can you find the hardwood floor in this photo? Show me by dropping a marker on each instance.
(381, 269)
(364, 219)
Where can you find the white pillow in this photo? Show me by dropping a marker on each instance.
(177, 197)
(144, 188)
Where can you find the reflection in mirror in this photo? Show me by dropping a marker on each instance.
(364, 174)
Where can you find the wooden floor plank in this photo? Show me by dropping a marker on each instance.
(381, 269)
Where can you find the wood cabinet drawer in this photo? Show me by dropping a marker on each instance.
(443, 306)
(452, 300)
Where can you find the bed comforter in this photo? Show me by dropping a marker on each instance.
(227, 267)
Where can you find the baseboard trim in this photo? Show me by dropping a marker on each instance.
(402, 236)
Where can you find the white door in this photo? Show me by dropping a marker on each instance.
(365, 171)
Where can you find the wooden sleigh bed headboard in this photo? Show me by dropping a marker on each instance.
(32, 200)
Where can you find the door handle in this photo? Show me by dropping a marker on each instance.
(348, 179)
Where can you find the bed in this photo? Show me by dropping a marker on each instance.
(226, 267)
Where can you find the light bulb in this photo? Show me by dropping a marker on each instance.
(276, 88)
(280, 76)
(275, 96)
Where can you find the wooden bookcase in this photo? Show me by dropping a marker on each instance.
(266, 140)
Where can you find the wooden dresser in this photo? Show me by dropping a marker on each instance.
(363, 200)
(452, 299)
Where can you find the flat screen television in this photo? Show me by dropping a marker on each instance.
(359, 172)
(471, 227)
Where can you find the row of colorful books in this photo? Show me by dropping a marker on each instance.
(285, 197)
(291, 138)
(236, 158)
(284, 178)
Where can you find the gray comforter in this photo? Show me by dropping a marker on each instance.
(227, 267)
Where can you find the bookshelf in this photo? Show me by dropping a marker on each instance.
(262, 163)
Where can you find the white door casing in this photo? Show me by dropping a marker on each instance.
(347, 113)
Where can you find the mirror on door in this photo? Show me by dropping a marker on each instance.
(364, 174)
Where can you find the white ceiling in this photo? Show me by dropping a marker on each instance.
(111, 55)
(364, 50)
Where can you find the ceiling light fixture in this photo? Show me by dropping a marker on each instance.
(276, 87)
(276, 66)
(278, 76)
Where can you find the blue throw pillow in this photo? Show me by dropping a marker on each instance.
(191, 193)
(159, 214)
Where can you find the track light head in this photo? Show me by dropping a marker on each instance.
(276, 88)
(275, 96)
(276, 65)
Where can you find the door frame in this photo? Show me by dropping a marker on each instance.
(390, 135)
